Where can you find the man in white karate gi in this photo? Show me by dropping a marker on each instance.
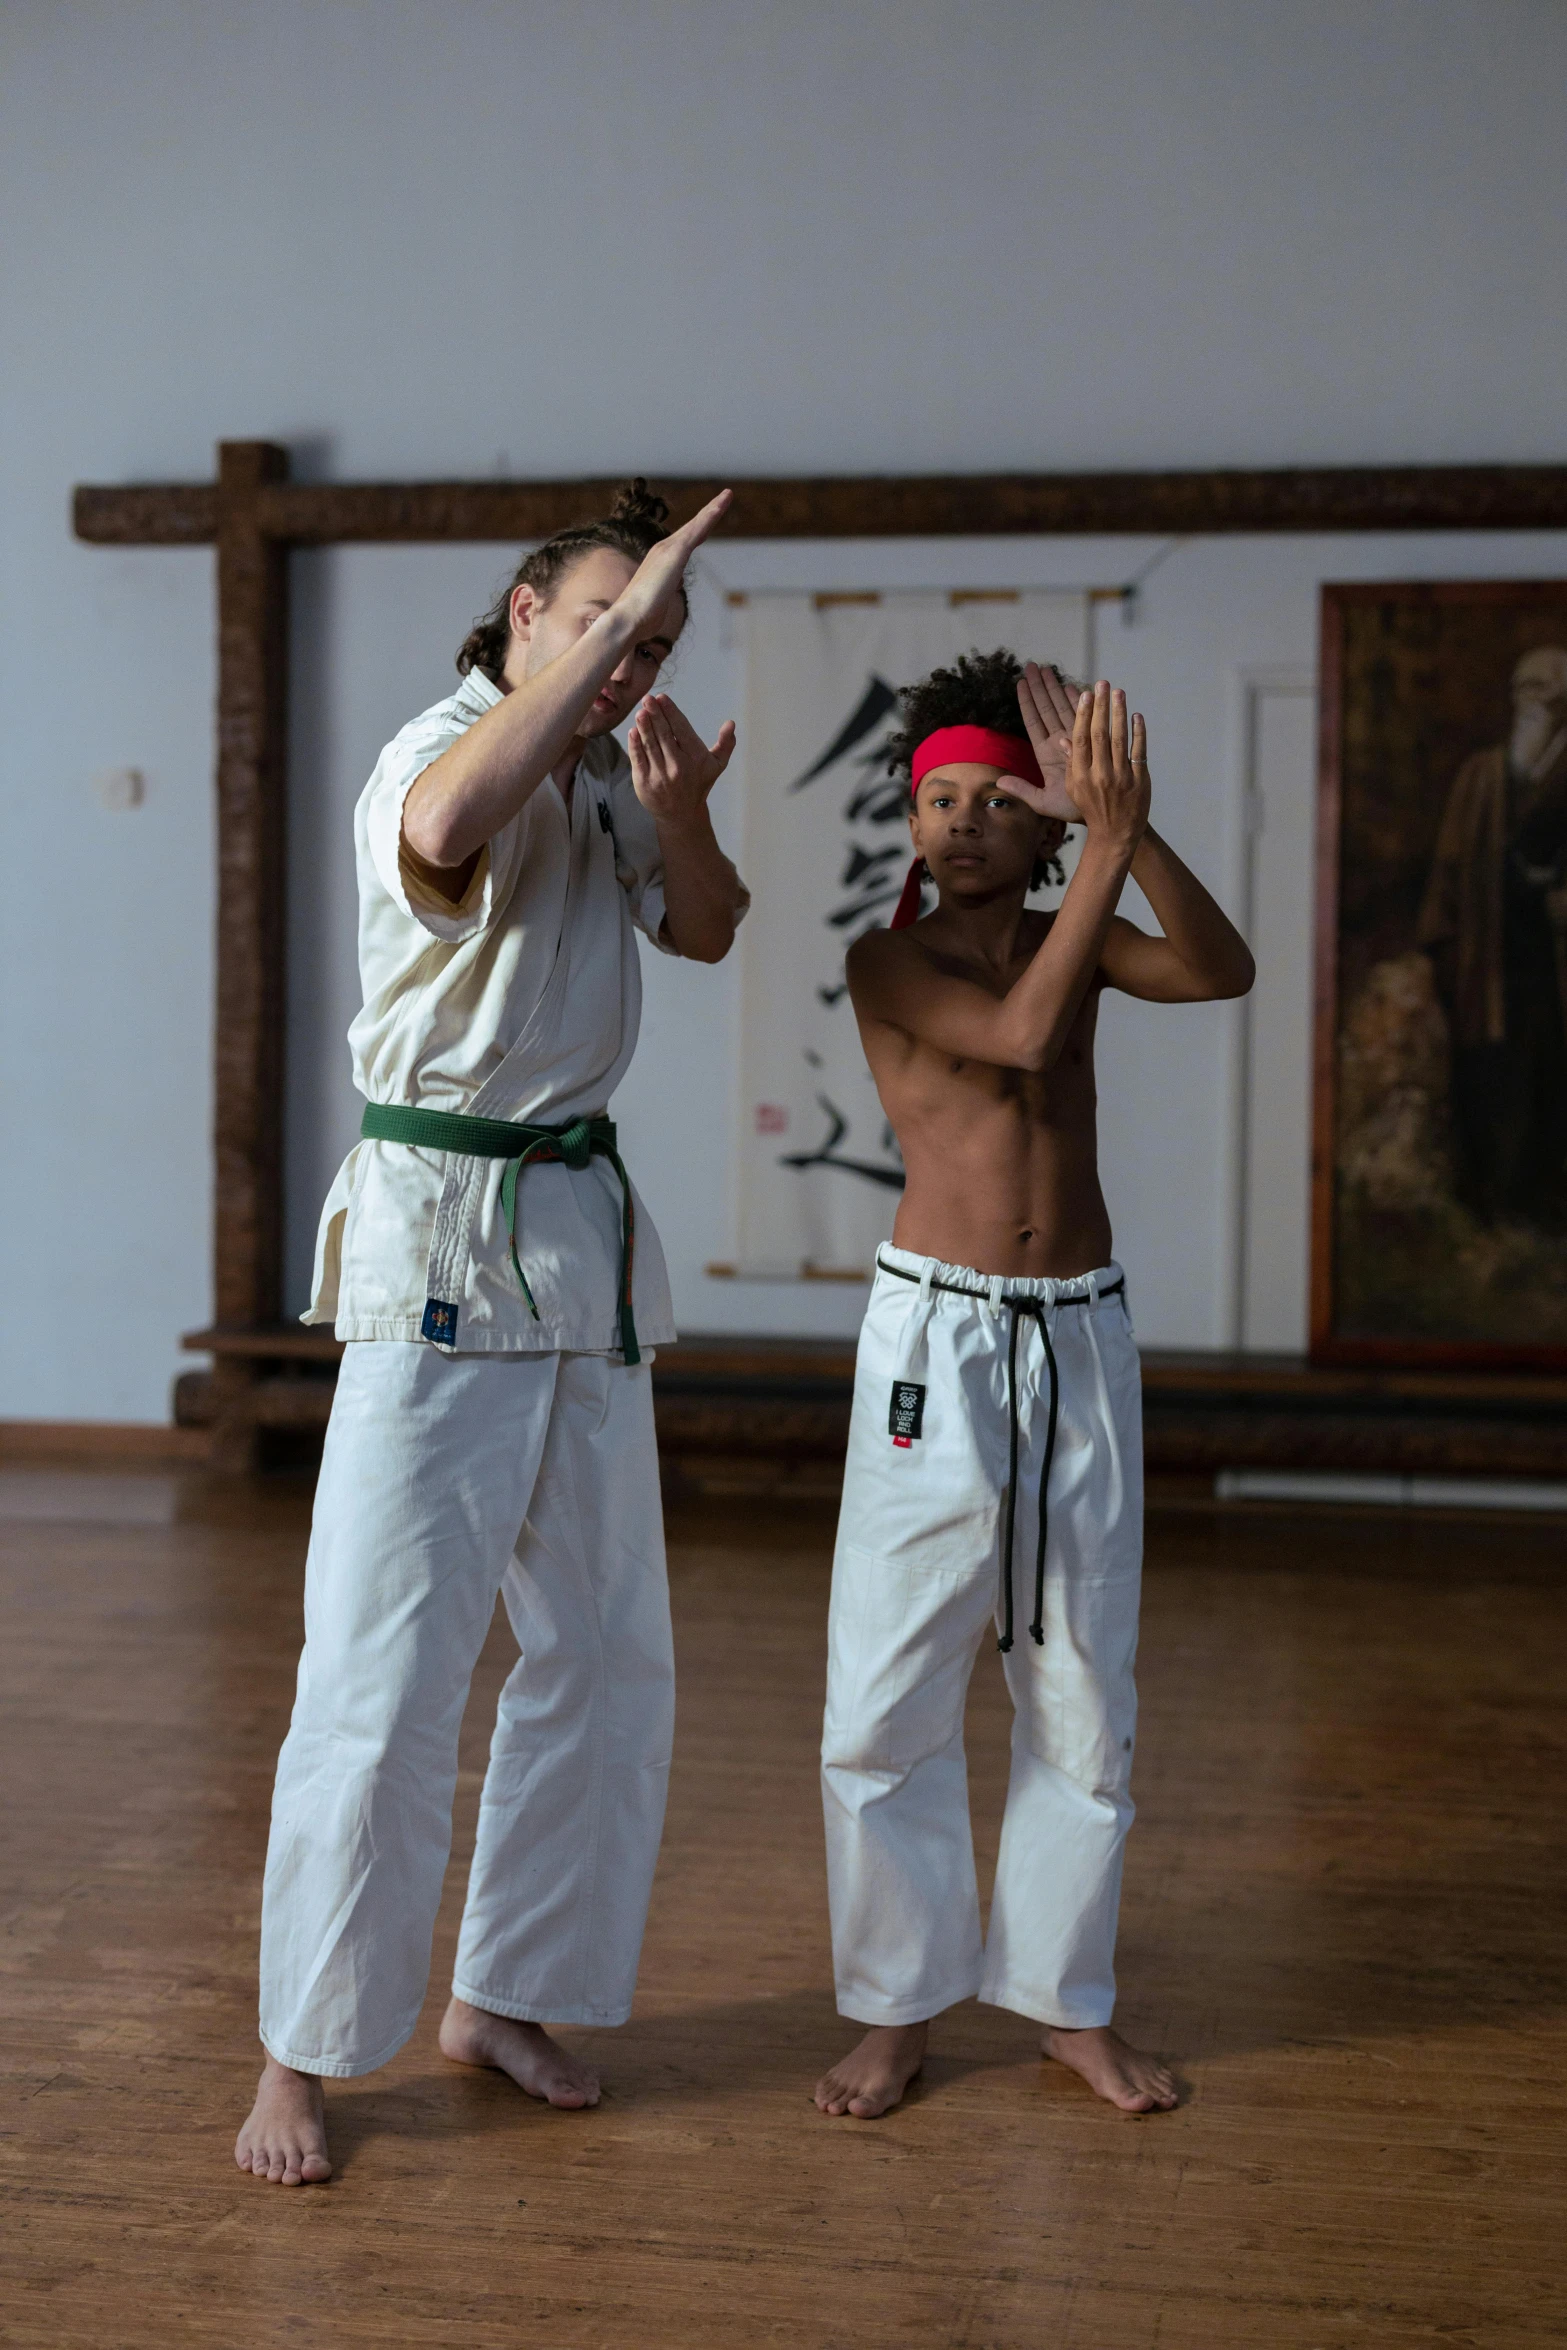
(995, 1444)
(499, 1283)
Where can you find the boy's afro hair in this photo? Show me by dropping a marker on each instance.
(979, 690)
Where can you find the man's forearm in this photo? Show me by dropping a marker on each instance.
(1201, 933)
(701, 890)
(464, 797)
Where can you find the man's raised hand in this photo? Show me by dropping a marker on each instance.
(672, 769)
(662, 568)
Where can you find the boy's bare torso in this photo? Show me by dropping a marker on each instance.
(1001, 1163)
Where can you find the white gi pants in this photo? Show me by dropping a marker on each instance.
(444, 1480)
(916, 1583)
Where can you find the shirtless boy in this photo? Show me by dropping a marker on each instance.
(995, 1452)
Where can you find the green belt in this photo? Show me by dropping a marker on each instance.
(520, 1146)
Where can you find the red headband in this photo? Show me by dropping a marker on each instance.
(977, 746)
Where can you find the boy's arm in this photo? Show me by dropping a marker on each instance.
(471, 791)
(892, 979)
(1201, 955)
(1200, 958)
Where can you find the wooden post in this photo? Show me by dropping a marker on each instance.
(252, 723)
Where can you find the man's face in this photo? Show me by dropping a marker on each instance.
(1539, 704)
(541, 632)
(979, 841)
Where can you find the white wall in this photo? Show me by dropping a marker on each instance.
(417, 239)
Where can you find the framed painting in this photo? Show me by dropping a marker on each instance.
(1439, 1153)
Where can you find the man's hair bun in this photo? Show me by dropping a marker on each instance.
(636, 503)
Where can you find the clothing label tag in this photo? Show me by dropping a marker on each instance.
(906, 1420)
(440, 1322)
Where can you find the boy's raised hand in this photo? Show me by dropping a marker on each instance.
(1048, 702)
(672, 769)
(1108, 778)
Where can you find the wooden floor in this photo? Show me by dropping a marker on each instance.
(1343, 1919)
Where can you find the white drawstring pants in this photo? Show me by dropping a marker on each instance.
(444, 1480)
(916, 1582)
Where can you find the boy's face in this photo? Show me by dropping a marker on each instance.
(977, 837)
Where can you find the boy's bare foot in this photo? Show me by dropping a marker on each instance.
(284, 2140)
(1122, 2075)
(873, 2076)
(525, 2052)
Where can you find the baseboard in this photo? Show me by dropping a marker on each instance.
(124, 1443)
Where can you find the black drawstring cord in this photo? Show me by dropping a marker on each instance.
(1004, 1639)
(1037, 1311)
(1037, 1627)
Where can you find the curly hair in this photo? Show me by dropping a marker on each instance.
(636, 522)
(979, 690)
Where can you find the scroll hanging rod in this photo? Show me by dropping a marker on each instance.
(827, 597)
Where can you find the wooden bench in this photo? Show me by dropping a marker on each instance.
(772, 1414)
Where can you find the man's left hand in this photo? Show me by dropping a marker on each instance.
(672, 769)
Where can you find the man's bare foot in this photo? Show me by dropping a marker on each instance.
(873, 2076)
(1122, 2075)
(284, 2139)
(525, 2052)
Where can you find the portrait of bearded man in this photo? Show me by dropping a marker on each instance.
(1494, 922)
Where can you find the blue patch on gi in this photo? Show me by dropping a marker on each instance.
(440, 1322)
(606, 822)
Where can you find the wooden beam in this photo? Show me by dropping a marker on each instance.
(147, 514)
(1326, 499)
(251, 997)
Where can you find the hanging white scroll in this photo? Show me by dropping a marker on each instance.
(826, 849)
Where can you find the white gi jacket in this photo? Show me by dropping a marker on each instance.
(522, 1002)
